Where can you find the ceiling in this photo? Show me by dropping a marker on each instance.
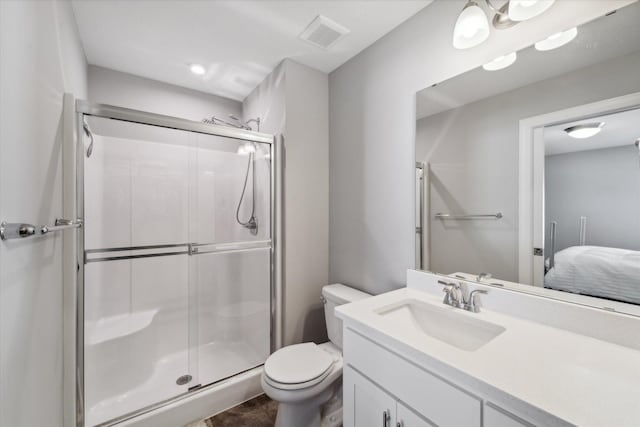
(597, 41)
(239, 42)
(620, 129)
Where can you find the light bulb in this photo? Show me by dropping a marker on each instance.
(557, 40)
(472, 27)
(501, 62)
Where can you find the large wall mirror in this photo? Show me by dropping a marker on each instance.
(528, 168)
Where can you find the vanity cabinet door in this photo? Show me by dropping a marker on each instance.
(365, 404)
(405, 417)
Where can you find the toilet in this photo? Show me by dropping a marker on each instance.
(305, 378)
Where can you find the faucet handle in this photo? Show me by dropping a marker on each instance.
(472, 305)
(448, 289)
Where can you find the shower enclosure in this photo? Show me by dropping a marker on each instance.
(174, 293)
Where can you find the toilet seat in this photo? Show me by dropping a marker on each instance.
(298, 366)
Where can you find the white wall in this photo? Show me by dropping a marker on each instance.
(112, 87)
(372, 132)
(293, 102)
(306, 202)
(601, 185)
(40, 59)
(268, 101)
(473, 153)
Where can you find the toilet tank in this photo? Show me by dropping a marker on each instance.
(333, 296)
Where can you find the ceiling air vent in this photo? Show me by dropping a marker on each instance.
(323, 32)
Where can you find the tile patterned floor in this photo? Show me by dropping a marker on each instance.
(258, 412)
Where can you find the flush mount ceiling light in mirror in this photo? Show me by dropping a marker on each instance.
(522, 10)
(472, 27)
(197, 69)
(557, 40)
(501, 62)
(586, 130)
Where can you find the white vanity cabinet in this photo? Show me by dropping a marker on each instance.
(384, 389)
(371, 406)
(429, 364)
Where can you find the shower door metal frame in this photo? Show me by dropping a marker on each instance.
(84, 108)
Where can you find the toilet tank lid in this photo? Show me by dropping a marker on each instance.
(342, 294)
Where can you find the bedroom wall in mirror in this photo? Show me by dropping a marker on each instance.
(531, 172)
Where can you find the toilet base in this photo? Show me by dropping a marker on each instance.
(306, 413)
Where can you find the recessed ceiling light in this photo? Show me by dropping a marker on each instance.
(500, 62)
(586, 130)
(521, 10)
(557, 40)
(197, 69)
(472, 27)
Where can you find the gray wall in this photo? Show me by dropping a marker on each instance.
(604, 186)
(41, 58)
(293, 100)
(473, 152)
(112, 87)
(372, 132)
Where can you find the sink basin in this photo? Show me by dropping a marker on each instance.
(444, 323)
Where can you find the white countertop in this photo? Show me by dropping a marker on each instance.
(578, 379)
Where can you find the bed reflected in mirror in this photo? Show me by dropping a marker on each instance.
(592, 206)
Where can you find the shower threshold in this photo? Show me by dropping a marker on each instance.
(224, 363)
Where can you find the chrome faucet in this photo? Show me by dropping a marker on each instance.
(457, 295)
(483, 276)
(472, 303)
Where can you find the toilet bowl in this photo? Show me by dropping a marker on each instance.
(304, 377)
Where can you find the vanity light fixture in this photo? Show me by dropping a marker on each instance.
(472, 27)
(197, 69)
(501, 62)
(557, 40)
(522, 10)
(585, 130)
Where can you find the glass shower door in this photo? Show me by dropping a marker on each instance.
(178, 264)
(136, 329)
(230, 270)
